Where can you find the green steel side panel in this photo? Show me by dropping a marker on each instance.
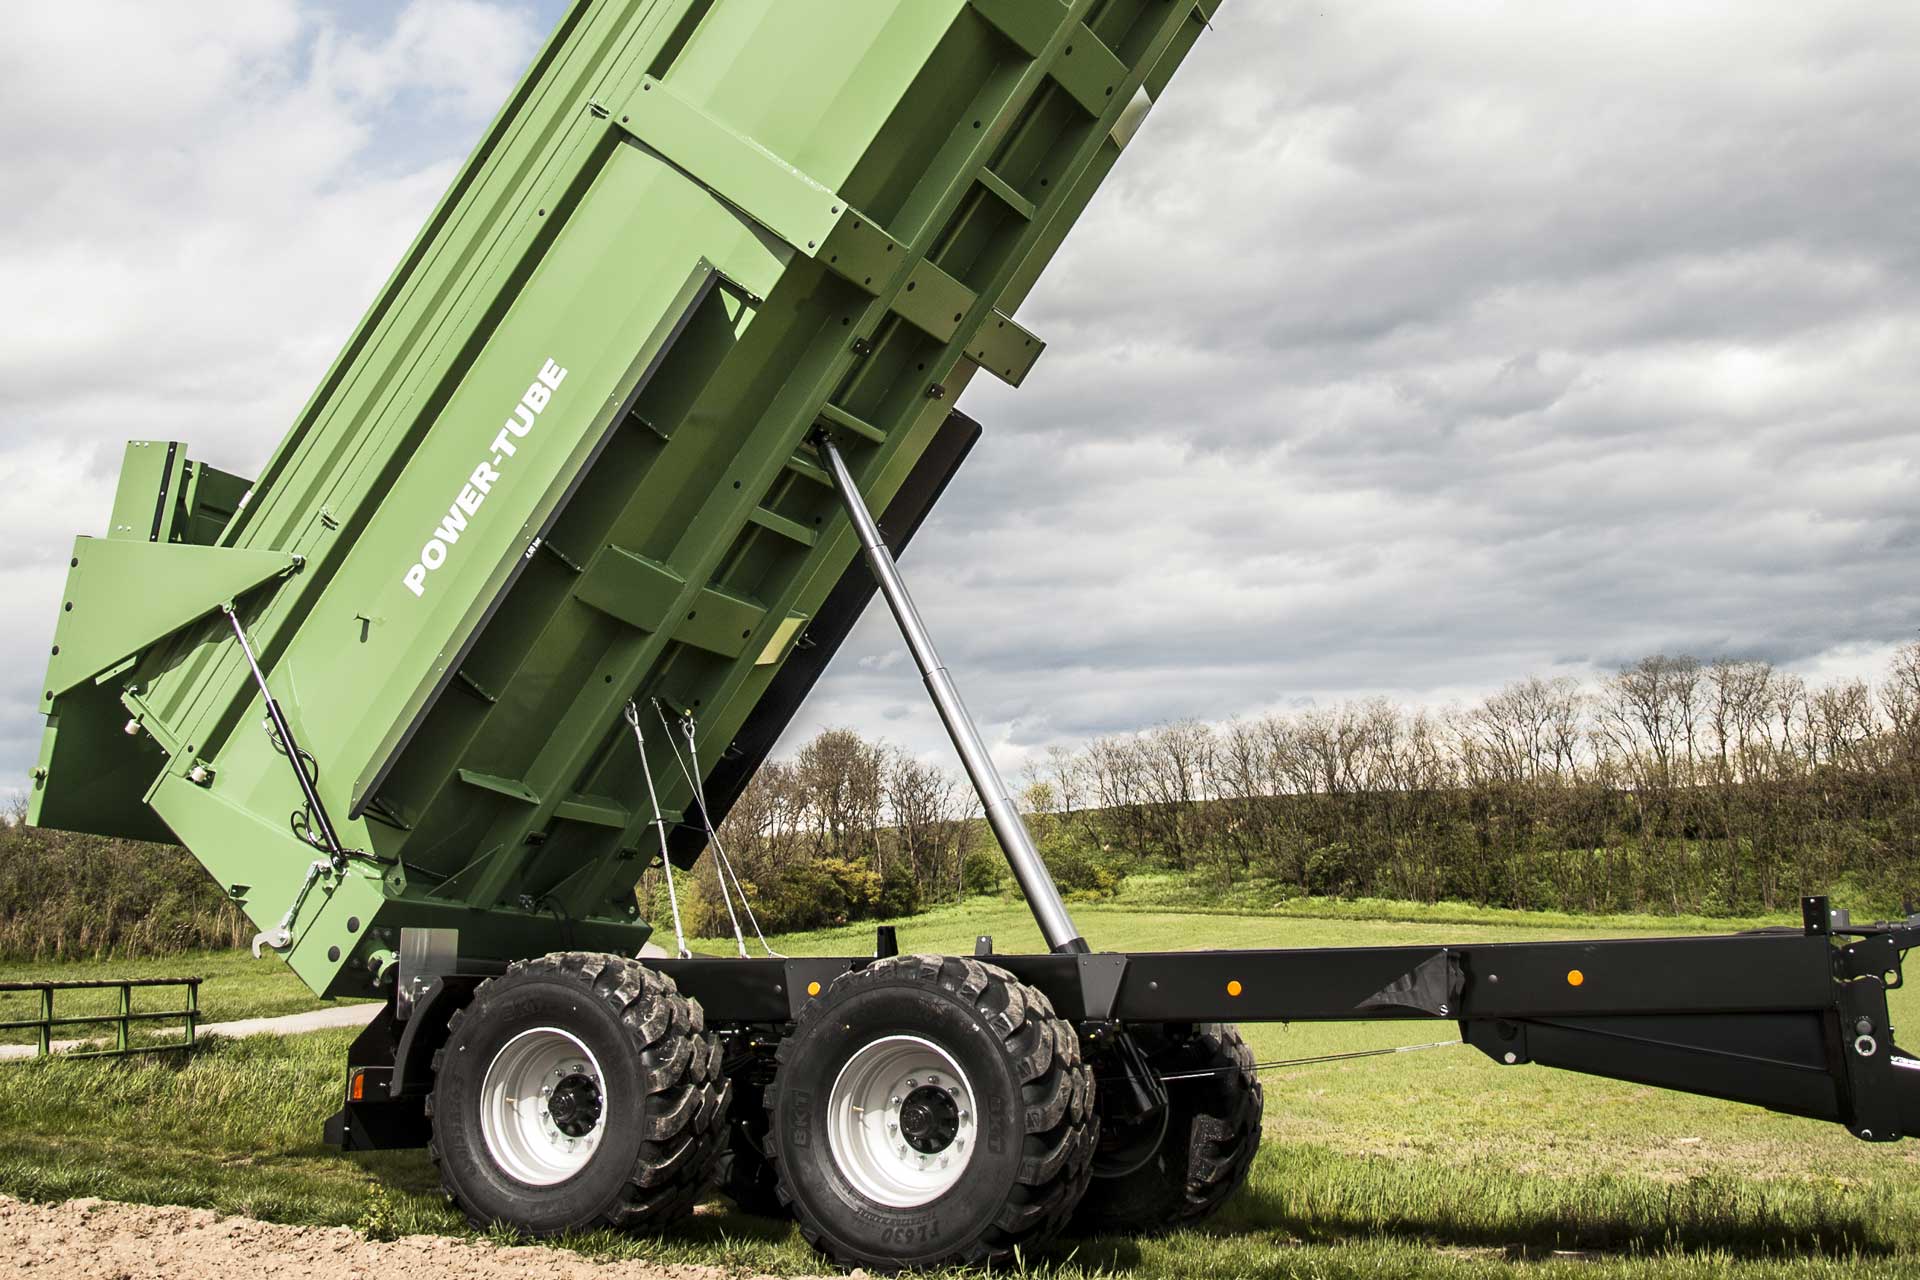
(122, 597)
(563, 463)
(163, 496)
(150, 473)
(1030, 24)
(630, 588)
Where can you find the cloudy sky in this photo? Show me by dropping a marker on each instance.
(1410, 349)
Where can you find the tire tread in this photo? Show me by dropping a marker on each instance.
(1061, 1130)
(1220, 1144)
(680, 1068)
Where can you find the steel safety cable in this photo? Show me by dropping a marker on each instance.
(720, 874)
(700, 794)
(1325, 1057)
(726, 863)
(660, 825)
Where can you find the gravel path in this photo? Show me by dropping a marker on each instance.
(111, 1241)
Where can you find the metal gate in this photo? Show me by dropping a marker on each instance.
(122, 1020)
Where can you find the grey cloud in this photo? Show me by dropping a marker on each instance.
(1409, 349)
(187, 267)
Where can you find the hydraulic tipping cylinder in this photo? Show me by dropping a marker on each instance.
(1043, 896)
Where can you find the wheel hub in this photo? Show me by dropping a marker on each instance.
(543, 1106)
(929, 1119)
(575, 1105)
(902, 1120)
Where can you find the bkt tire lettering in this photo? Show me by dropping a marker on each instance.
(802, 1123)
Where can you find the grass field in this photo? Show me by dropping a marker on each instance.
(1431, 1164)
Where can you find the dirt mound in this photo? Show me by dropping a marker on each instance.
(97, 1238)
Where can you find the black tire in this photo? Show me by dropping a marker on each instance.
(746, 1175)
(1212, 1134)
(1034, 1135)
(663, 1114)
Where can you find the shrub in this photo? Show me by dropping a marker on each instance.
(899, 892)
(65, 895)
(1082, 876)
(985, 871)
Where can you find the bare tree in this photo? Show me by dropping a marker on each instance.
(1175, 761)
(928, 807)
(839, 773)
(1649, 715)
(1900, 692)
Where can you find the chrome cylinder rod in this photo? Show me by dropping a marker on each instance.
(1043, 896)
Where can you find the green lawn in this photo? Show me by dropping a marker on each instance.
(1431, 1164)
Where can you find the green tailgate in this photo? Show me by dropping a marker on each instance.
(562, 463)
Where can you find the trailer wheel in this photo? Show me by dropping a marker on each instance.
(931, 1111)
(579, 1091)
(1210, 1135)
(746, 1175)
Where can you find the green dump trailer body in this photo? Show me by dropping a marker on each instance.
(562, 463)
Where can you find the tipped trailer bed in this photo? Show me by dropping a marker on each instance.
(551, 558)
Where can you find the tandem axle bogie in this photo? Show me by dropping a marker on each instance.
(1793, 1020)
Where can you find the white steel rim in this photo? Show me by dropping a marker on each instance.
(889, 1082)
(517, 1119)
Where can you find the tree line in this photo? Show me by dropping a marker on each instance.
(1672, 785)
(1675, 785)
(849, 829)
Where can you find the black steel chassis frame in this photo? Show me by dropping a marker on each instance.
(1793, 1020)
